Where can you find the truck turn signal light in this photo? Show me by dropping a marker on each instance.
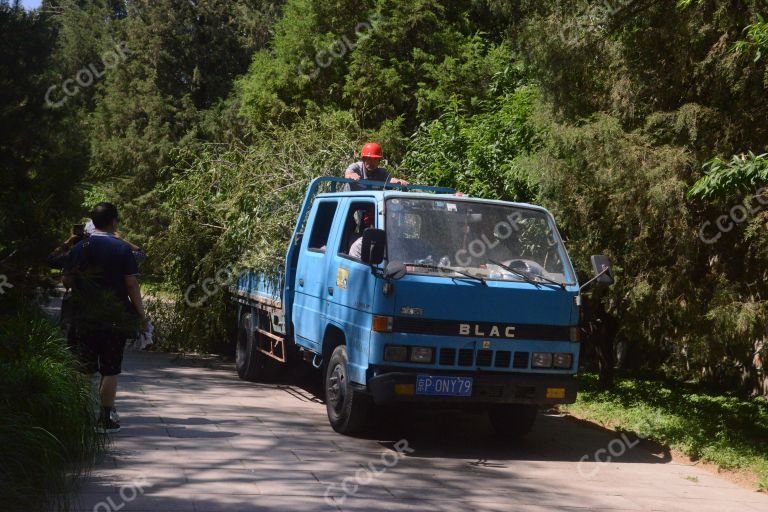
(381, 323)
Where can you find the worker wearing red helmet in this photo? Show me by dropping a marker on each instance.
(368, 168)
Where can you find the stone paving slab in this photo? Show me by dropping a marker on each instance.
(196, 438)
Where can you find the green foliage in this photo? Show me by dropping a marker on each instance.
(650, 57)
(407, 61)
(235, 206)
(743, 173)
(756, 39)
(722, 429)
(48, 415)
(478, 154)
(85, 32)
(423, 56)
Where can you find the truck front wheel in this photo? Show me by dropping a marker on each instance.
(512, 420)
(347, 407)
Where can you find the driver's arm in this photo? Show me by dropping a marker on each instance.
(352, 173)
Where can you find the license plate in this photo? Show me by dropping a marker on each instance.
(443, 386)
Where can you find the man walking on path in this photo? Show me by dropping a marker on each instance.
(368, 168)
(107, 302)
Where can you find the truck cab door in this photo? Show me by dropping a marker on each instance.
(352, 283)
(309, 307)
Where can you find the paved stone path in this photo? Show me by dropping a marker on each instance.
(195, 438)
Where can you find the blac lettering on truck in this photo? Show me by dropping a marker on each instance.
(495, 332)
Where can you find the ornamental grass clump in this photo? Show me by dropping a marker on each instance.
(47, 416)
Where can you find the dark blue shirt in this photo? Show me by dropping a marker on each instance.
(104, 263)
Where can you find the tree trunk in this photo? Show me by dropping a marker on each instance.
(604, 336)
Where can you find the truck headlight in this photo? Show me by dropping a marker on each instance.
(562, 360)
(421, 354)
(542, 360)
(396, 353)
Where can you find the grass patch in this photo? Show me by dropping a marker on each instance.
(725, 430)
(47, 416)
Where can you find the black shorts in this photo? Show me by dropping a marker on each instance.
(98, 350)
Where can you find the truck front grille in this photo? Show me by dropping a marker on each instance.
(484, 357)
(447, 356)
(521, 360)
(466, 357)
(503, 358)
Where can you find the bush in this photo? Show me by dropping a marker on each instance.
(48, 415)
(478, 154)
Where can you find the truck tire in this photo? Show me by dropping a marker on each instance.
(512, 421)
(251, 364)
(347, 407)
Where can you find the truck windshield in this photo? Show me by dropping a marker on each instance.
(489, 241)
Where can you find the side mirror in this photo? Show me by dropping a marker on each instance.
(372, 249)
(601, 266)
(394, 270)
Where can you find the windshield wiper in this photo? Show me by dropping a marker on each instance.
(447, 269)
(526, 275)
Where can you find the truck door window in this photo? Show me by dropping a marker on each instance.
(322, 226)
(360, 215)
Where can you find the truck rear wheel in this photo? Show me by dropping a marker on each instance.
(347, 407)
(512, 420)
(251, 364)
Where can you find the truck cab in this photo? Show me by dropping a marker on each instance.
(432, 298)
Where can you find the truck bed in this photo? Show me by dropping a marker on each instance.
(257, 287)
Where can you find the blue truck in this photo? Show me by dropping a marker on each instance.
(417, 294)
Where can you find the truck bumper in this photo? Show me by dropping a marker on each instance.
(490, 388)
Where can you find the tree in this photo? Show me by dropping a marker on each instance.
(183, 58)
(384, 61)
(41, 157)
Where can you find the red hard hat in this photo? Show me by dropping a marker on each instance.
(371, 150)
